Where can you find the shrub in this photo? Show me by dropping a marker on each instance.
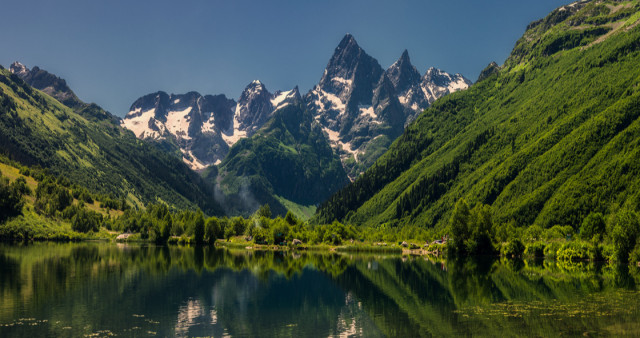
(551, 250)
(20, 185)
(607, 252)
(513, 248)
(279, 231)
(213, 230)
(505, 231)
(592, 225)
(574, 251)
(624, 234)
(260, 236)
(198, 230)
(264, 211)
(11, 200)
(291, 218)
(85, 221)
(51, 197)
(558, 232)
(238, 226)
(535, 249)
(533, 233)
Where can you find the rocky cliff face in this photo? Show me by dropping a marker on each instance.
(46, 82)
(204, 127)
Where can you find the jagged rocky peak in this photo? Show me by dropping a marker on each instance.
(204, 127)
(350, 68)
(283, 98)
(156, 102)
(491, 69)
(437, 83)
(191, 122)
(403, 74)
(355, 102)
(254, 107)
(48, 83)
(440, 78)
(19, 69)
(387, 106)
(342, 63)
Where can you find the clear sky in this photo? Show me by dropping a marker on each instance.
(111, 52)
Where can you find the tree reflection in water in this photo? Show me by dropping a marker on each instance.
(100, 288)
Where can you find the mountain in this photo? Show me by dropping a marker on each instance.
(358, 108)
(203, 128)
(548, 138)
(50, 84)
(363, 108)
(417, 92)
(37, 130)
(57, 88)
(287, 164)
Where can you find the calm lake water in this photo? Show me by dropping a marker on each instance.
(102, 289)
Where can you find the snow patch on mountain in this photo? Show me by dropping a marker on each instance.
(458, 83)
(138, 123)
(192, 161)
(209, 125)
(334, 139)
(280, 97)
(178, 123)
(234, 134)
(346, 83)
(327, 101)
(367, 110)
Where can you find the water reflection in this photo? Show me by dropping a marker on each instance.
(98, 289)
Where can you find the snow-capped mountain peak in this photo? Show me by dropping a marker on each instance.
(403, 74)
(205, 127)
(348, 63)
(283, 98)
(355, 102)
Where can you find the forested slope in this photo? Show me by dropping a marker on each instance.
(288, 164)
(547, 139)
(89, 148)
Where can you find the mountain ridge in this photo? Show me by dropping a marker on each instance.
(253, 110)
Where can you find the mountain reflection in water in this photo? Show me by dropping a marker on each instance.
(99, 289)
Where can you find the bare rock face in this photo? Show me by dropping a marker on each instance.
(203, 128)
(46, 82)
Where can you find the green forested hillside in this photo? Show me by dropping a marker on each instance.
(287, 164)
(548, 139)
(92, 150)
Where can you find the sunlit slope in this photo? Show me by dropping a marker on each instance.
(35, 129)
(549, 138)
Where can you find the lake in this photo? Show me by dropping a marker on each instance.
(104, 289)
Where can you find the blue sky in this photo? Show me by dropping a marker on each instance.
(112, 52)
